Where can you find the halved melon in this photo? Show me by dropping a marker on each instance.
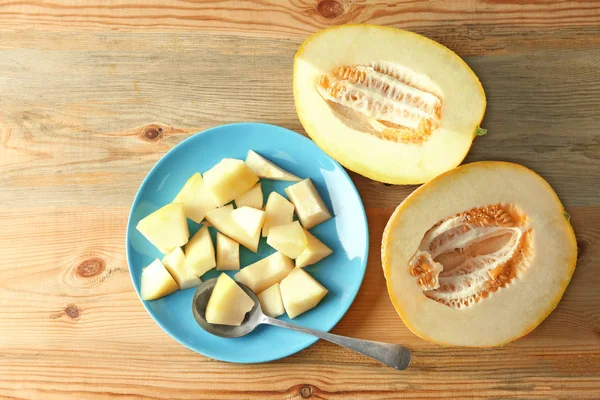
(388, 104)
(478, 256)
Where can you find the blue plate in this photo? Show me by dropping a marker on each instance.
(347, 234)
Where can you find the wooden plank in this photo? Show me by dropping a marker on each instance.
(72, 327)
(95, 92)
(60, 127)
(273, 18)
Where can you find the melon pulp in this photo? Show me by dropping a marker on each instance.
(228, 303)
(478, 256)
(388, 104)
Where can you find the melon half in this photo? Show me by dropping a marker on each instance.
(388, 104)
(478, 256)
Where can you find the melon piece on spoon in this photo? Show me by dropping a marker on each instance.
(228, 303)
(478, 256)
(266, 169)
(388, 104)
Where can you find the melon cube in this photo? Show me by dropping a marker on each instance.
(289, 239)
(314, 252)
(266, 272)
(228, 253)
(300, 292)
(200, 252)
(252, 198)
(270, 301)
(310, 207)
(229, 179)
(278, 211)
(174, 262)
(266, 169)
(195, 198)
(228, 303)
(166, 228)
(221, 220)
(156, 282)
(249, 219)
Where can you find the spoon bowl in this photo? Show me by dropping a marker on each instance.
(394, 355)
(200, 301)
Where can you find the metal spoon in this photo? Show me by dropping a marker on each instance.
(394, 355)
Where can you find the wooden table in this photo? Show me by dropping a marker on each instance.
(92, 94)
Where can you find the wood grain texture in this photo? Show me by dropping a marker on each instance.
(94, 93)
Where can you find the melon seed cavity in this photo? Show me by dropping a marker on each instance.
(390, 101)
(462, 259)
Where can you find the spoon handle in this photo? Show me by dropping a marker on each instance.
(394, 355)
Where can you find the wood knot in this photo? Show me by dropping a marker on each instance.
(91, 267)
(330, 8)
(152, 133)
(306, 392)
(72, 311)
(387, 184)
(582, 247)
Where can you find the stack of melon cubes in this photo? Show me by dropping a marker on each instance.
(281, 283)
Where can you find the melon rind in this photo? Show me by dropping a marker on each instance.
(509, 313)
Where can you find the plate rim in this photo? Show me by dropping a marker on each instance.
(292, 349)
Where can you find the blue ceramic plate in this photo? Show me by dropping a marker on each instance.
(346, 233)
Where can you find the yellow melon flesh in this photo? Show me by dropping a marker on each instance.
(222, 220)
(388, 104)
(228, 303)
(478, 256)
(228, 253)
(229, 179)
(156, 282)
(271, 302)
(174, 262)
(195, 198)
(166, 228)
(314, 252)
(252, 198)
(200, 252)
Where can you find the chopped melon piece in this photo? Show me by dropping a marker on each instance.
(252, 198)
(270, 301)
(300, 292)
(228, 253)
(228, 303)
(174, 262)
(166, 228)
(222, 220)
(195, 198)
(289, 239)
(388, 104)
(229, 179)
(266, 169)
(266, 272)
(310, 207)
(200, 252)
(156, 281)
(278, 211)
(484, 268)
(314, 252)
(249, 219)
